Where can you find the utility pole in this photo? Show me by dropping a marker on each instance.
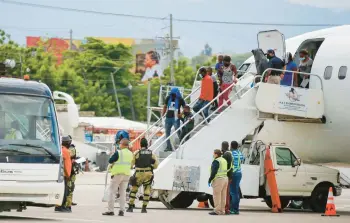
(172, 76)
(115, 93)
(71, 39)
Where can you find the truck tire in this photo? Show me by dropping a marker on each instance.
(319, 198)
(284, 202)
(183, 200)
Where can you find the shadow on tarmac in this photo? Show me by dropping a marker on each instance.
(254, 210)
(20, 218)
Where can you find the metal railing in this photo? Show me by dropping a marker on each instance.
(293, 73)
(214, 112)
(231, 87)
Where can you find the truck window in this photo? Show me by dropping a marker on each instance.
(284, 157)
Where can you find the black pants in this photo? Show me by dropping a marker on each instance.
(184, 132)
(66, 191)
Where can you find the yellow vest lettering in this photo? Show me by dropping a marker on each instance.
(123, 164)
(222, 171)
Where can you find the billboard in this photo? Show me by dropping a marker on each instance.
(151, 55)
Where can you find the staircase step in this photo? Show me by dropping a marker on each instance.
(287, 118)
(163, 155)
(263, 115)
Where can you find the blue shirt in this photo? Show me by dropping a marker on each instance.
(288, 76)
(219, 65)
(236, 157)
(276, 63)
(114, 157)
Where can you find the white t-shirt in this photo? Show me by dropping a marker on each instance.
(149, 73)
(18, 135)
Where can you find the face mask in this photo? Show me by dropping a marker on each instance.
(302, 58)
(186, 113)
(269, 57)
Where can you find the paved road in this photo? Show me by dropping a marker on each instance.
(89, 193)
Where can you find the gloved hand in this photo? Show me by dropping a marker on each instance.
(209, 184)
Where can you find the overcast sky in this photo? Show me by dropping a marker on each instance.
(21, 21)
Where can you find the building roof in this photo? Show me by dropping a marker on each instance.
(112, 123)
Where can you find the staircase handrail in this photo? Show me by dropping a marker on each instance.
(200, 111)
(293, 73)
(205, 119)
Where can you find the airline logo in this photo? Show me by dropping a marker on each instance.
(293, 96)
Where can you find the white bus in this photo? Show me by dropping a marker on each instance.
(31, 167)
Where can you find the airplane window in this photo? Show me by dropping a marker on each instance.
(342, 72)
(328, 72)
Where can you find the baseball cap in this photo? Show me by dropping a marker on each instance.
(270, 51)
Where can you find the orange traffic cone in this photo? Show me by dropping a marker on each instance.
(203, 204)
(330, 207)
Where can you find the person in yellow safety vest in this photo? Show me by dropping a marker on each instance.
(120, 170)
(14, 132)
(219, 181)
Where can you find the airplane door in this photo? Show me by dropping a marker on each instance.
(272, 39)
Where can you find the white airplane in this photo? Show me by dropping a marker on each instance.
(329, 49)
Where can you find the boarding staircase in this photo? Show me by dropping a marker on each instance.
(158, 126)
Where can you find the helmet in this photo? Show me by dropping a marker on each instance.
(121, 135)
(66, 141)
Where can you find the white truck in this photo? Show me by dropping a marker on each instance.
(296, 180)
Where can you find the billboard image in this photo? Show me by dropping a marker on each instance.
(151, 65)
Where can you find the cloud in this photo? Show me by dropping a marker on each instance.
(331, 4)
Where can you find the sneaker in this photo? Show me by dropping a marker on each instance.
(108, 213)
(234, 212)
(121, 213)
(74, 204)
(143, 210)
(213, 213)
(66, 210)
(58, 209)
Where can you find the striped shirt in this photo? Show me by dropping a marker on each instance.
(237, 160)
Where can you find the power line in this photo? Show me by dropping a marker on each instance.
(160, 18)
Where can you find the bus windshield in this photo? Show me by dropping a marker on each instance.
(28, 122)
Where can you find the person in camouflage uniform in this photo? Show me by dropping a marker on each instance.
(144, 161)
(71, 182)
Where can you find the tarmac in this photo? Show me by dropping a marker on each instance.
(89, 192)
